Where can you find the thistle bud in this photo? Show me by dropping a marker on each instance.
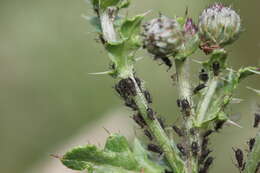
(218, 26)
(162, 36)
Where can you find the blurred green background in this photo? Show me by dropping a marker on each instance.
(46, 52)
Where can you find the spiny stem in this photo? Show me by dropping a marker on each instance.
(254, 157)
(169, 148)
(185, 92)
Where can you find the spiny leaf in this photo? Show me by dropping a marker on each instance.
(116, 157)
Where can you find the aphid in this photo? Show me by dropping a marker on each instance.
(194, 148)
(147, 96)
(101, 38)
(182, 149)
(178, 101)
(198, 88)
(208, 162)
(161, 122)
(207, 133)
(204, 143)
(251, 143)
(185, 104)
(129, 102)
(239, 157)
(203, 76)
(204, 155)
(150, 114)
(216, 68)
(139, 120)
(164, 59)
(148, 134)
(178, 131)
(257, 120)
(126, 88)
(219, 124)
(154, 148)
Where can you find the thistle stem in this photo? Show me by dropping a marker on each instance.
(253, 159)
(185, 92)
(169, 147)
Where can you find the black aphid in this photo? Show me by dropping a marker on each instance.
(251, 143)
(148, 134)
(126, 88)
(203, 76)
(161, 122)
(129, 102)
(148, 97)
(257, 120)
(208, 162)
(239, 157)
(198, 88)
(216, 68)
(182, 149)
(193, 131)
(139, 120)
(194, 148)
(185, 104)
(219, 124)
(207, 133)
(164, 59)
(178, 131)
(204, 144)
(150, 114)
(204, 155)
(178, 101)
(154, 148)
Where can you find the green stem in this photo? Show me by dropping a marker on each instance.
(169, 148)
(185, 92)
(204, 106)
(254, 157)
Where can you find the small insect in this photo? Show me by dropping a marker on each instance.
(216, 68)
(208, 162)
(164, 59)
(182, 149)
(125, 88)
(161, 122)
(251, 143)
(219, 124)
(148, 134)
(178, 101)
(204, 144)
(139, 120)
(198, 88)
(101, 38)
(194, 148)
(185, 106)
(148, 97)
(257, 120)
(150, 114)
(204, 155)
(203, 76)
(154, 148)
(207, 133)
(239, 157)
(178, 131)
(129, 102)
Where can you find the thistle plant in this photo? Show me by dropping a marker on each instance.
(203, 109)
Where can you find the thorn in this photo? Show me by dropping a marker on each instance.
(108, 132)
(196, 61)
(101, 73)
(233, 123)
(236, 100)
(254, 71)
(139, 58)
(252, 89)
(55, 156)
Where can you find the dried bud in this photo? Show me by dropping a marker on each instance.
(162, 36)
(218, 26)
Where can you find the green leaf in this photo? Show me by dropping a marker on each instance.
(116, 157)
